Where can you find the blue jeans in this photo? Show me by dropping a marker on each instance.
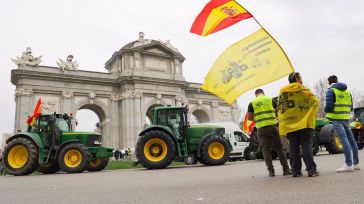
(343, 130)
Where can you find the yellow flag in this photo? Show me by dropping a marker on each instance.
(253, 61)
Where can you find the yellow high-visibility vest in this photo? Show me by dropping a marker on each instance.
(342, 106)
(264, 113)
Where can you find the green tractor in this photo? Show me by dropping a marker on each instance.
(50, 146)
(170, 138)
(357, 126)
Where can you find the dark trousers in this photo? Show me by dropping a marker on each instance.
(301, 138)
(269, 135)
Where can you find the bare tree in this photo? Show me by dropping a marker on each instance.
(358, 98)
(320, 88)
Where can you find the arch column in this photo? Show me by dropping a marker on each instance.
(23, 108)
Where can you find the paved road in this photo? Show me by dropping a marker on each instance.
(235, 182)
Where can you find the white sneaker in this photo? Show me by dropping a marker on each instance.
(345, 168)
(356, 167)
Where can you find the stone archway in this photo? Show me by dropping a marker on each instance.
(149, 113)
(99, 108)
(199, 116)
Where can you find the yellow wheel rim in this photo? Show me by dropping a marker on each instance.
(18, 156)
(155, 150)
(95, 163)
(72, 158)
(216, 150)
(338, 142)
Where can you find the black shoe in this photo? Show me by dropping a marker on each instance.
(313, 174)
(271, 173)
(297, 174)
(287, 172)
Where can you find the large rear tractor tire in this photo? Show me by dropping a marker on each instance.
(155, 149)
(214, 151)
(49, 168)
(20, 157)
(335, 146)
(97, 164)
(73, 158)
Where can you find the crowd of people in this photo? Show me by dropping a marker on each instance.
(122, 154)
(295, 114)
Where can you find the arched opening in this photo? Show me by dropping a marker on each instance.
(88, 121)
(91, 118)
(149, 114)
(199, 116)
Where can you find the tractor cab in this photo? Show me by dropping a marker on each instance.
(359, 115)
(174, 118)
(50, 128)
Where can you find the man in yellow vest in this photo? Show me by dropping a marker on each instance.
(338, 106)
(297, 109)
(262, 111)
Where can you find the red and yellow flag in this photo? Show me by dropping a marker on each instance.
(37, 112)
(218, 15)
(248, 125)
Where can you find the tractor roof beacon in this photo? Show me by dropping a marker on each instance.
(170, 137)
(50, 145)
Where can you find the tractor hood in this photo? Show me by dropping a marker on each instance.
(198, 130)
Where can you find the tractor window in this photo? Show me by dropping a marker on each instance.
(63, 125)
(361, 116)
(162, 117)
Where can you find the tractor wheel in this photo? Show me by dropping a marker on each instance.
(249, 154)
(73, 158)
(335, 146)
(214, 151)
(155, 149)
(49, 168)
(21, 157)
(98, 164)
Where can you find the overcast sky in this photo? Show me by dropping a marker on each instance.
(320, 37)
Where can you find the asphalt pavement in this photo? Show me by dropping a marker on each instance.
(234, 182)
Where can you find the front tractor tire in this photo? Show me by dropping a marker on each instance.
(97, 164)
(73, 158)
(21, 157)
(214, 151)
(155, 149)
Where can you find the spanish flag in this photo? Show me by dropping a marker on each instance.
(248, 125)
(37, 112)
(249, 63)
(218, 15)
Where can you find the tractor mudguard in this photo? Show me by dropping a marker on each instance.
(324, 136)
(33, 136)
(157, 127)
(64, 144)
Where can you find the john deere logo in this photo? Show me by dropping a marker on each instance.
(341, 96)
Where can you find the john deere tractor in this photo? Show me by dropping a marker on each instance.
(170, 138)
(50, 145)
(357, 126)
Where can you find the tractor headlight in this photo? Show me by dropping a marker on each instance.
(96, 142)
